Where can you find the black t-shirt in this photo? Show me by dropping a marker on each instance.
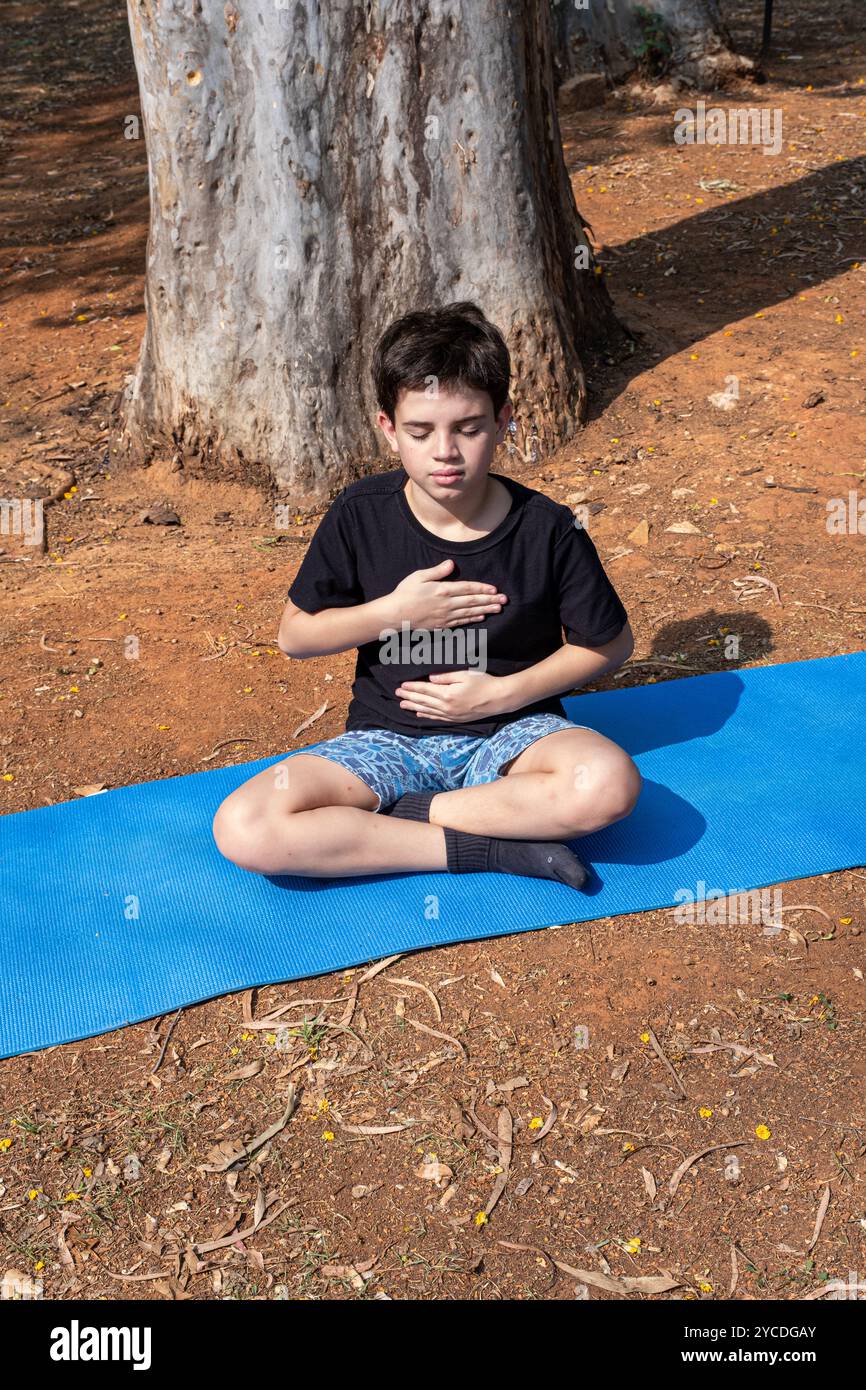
(548, 567)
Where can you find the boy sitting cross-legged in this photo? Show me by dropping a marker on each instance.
(455, 585)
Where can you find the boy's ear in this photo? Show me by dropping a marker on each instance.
(503, 420)
(386, 425)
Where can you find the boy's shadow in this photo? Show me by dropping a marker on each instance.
(664, 824)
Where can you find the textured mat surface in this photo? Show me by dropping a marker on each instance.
(118, 907)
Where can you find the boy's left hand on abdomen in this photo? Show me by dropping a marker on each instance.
(458, 696)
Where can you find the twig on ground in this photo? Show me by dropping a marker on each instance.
(171, 1029)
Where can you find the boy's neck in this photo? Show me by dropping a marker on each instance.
(474, 513)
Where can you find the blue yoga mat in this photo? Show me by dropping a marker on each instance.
(118, 907)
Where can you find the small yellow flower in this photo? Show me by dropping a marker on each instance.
(632, 1247)
(248, 1037)
(644, 1037)
(328, 1135)
(535, 1123)
(8, 777)
(248, 690)
(762, 1132)
(759, 316)
(270, 1038)
(628, 1148)
(324, 1105)
(33, 1194)
(233, 1051)
(72, 1197)
(705, 1112)
(481, 1218)
(705, 1288)
(693, 356)
(714, 501)
(120, 615)
(40, 1264)
(846, 921)
(5, 1144)
(839, 318)
(88, 1172)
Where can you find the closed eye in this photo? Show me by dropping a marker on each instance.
(426, 433)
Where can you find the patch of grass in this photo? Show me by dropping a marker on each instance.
(654, 50)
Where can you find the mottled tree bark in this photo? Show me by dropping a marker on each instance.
(604, 35)
(317, 169)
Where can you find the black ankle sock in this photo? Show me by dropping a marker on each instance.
(412, 806)
(476, 854)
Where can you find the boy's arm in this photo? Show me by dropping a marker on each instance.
(332, 629)
(566, 669)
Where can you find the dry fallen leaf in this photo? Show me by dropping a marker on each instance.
(244, 1073)
(590, 1119)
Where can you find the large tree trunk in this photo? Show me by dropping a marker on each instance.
(316, 170)
(606, 36)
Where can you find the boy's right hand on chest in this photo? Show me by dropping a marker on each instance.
(428, 599)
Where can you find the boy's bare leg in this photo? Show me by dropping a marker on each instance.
(311, 817)
(566, 784)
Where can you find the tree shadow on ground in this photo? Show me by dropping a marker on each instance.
(758, 251)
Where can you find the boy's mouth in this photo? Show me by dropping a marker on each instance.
(446, 475)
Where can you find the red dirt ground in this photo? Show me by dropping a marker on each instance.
(101, 1175)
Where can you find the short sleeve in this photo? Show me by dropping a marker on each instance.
(590, 609)
(328, 575)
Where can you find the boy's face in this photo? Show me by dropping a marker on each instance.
(446, 440)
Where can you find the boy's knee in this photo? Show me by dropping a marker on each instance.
(238, 831)
(624, 789)
(610, 786)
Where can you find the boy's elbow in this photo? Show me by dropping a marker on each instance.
(289, 643)
(621, 647)
(292, 648)
(628, 642)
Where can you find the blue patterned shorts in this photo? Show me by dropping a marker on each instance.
(392, 764)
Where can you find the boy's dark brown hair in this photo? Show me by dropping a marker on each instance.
(456, 344)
